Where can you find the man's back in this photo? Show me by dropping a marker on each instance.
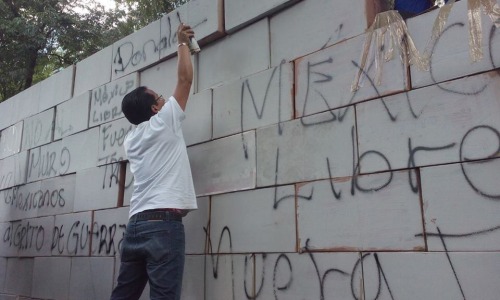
(158, 160)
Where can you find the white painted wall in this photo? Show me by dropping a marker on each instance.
(306, 190)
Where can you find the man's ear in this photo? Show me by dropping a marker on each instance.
(154, 109)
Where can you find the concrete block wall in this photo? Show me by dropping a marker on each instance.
(306, 190)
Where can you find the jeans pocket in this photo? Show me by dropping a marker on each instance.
(163, 244)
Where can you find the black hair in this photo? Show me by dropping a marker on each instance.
(136, 105)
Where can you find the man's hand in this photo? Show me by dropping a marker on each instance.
(184, 33)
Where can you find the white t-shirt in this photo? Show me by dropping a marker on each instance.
(159, 162)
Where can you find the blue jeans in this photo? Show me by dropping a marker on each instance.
(154, 251)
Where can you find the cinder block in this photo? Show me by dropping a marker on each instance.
(108, 231)
(228, 277)
(224, 165)
(309, 276)
(431, 275)
(197, 127)
(129, 186)
(106, 102)
(319, 146)
(450, 53)
(19, 276)
(262, 99)
(205, 17)
(93, 71)
(91, 277)
(268, 225)
(111, 138)
(72, 116)
(13, 170)
(38, 130)
(136, 51)
(63, 157)
(459, 206)
(81, 151)
(25, 201)
(7, 245)
(239, 55)
(434, 125)
(47, 161)
(324, 78)
(57, 195)
(3, 273)
(72, 235)
(6, 113)
(25, 103)
(10, 140)
(7, 202)
(57, 88)
(239, 13)
(322, 22)
(97, 188)
(196, 225)
(368, 212)
(51, 277)
(162, 78)
(193, 282)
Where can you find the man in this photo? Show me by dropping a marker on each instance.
(153, 246)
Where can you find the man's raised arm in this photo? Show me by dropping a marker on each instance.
(184, 66)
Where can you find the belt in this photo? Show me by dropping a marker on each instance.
(156, 215)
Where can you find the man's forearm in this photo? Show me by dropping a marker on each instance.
(184, 65)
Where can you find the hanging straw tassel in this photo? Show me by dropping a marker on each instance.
(388, 22)
(439, 23)
(492, 9)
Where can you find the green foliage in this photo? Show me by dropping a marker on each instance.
(143, 12)
(40, 37)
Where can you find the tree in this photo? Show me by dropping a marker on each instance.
(43, 36)
(38, 37)
(143, 12)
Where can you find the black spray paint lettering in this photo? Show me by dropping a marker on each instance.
(277, 201)
(34, 132)
(215, 262)
(8, 196)
(169, 40)
(104, 108)
(6, 180)
(106, 238)
(431, 69)
(324, 78)
(462, 157)
(74, 242)
(113, 137)
(111, 175)
(24, 236)
(57, 236)
(48, 163)
(78, 237)
(110, 159)
(34, 200)
(245, 86)
(127, 56)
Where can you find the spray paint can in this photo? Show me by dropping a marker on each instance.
(193, 46)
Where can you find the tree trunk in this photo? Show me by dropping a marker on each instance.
(30, 68)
